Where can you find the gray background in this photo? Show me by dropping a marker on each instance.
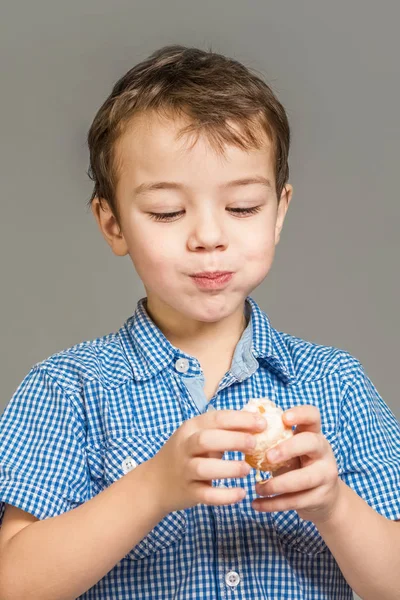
(334, 66)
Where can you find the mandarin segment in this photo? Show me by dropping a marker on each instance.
(275, 433)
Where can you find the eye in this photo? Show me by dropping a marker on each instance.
(170, 216)
(165, 216)
(246, 211)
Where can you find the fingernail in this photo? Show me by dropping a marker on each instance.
(251, 443)
(246, 469)
(273, 455)
(289, 416)
(261, 422)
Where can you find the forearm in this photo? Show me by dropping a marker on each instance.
(366, 547)
(62, 557)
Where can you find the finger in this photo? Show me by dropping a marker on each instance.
(206, 469)
(233, 420)
(294, 481)
(211, 440)
(306, 417)
(216, 496)
(304, 444)
(295, 501)
(290, 465)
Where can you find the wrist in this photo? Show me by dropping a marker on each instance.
(158, 493)
(333, 516)
(146, 480)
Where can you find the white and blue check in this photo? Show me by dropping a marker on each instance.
(85, 416)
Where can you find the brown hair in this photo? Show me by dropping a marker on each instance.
(204, 86)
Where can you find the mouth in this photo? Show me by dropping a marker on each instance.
(211, 274)
(212, 280)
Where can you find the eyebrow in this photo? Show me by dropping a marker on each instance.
(172, 185)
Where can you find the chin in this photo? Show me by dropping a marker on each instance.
(212, 308)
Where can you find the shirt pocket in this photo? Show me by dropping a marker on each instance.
(122, 453)
(302, 536)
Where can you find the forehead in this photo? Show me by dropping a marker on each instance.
(151, 147)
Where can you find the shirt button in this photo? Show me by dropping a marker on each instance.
(232, 578)
(128, 464)
(182, 365)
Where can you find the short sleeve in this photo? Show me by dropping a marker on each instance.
(370, 446)
(43, 466)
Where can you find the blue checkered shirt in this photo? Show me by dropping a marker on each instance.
(84, 417)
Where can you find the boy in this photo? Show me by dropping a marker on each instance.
(122, 472)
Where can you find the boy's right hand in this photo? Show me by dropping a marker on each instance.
(185, 466)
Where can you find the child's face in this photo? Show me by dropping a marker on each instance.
(205, 235)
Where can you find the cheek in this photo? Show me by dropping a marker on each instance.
(151, 254)
(260, 246)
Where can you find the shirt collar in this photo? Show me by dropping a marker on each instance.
(268, 345)
(149, 351)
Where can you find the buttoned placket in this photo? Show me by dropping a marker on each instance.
(230, 577)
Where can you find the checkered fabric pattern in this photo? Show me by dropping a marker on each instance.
(84, 417)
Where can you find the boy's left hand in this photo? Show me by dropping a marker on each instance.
(310, 485)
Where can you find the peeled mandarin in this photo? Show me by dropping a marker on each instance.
(275, 433)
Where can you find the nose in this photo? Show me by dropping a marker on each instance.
(207, 232)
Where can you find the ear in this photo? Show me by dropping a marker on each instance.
(109, 226)
(283, 206)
